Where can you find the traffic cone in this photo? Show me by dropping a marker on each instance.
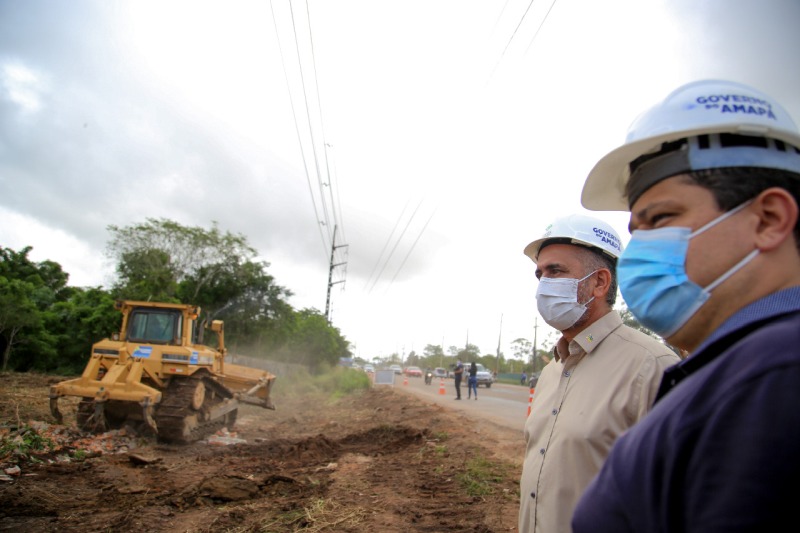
(405, 380)
(530, 400)
(441, 388)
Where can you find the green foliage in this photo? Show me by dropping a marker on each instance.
(84, 319)
(479, 477)
(314, 342)
(27, 290)
(48, 326)
(333, 383)
(24, 444)
(161, 260)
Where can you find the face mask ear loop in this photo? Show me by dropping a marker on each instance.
(720, 218)
(732, 271)
(583, 278)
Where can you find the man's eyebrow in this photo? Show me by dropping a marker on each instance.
(551, 266)
(639, 215)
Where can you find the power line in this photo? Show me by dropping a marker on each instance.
(411, 249)
(336, 219)
(540, 25)
(296, 124)
(386, 244)
(399, 238)
(310, 127)
(510, 39)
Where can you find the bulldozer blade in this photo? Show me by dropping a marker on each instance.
(255, 400)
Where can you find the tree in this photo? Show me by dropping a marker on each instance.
(17, 312)
(165, 261)
(522, 349)
(469, 353)
(147, 275)
(166, 253)
(88, 316)
(314, 342)
(433, 356)
(27, 290)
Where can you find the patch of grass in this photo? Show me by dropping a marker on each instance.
(24, 443)
(438, 450)
(479, 477)
(441, 436)
(79, 455)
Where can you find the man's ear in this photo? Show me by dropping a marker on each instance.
(603, 284)
(777, 211)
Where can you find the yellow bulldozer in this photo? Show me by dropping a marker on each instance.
(157, 373)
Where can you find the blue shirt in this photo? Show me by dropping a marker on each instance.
(720, 451)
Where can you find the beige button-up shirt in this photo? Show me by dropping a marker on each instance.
(594, 389)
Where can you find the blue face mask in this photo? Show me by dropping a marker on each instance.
(653, 281)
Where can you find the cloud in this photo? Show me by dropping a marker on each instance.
(197, 112)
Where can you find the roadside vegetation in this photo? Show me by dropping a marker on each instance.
(48, 326)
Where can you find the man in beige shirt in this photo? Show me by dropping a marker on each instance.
(602, 379)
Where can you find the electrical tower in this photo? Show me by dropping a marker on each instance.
(331, 283)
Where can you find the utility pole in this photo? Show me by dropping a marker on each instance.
(331, 283)
(497, 359)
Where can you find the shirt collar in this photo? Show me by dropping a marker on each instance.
(598, 330)
(775, 304)
(590, 336)
(738, 325)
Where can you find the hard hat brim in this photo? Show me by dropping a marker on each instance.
(604, 188)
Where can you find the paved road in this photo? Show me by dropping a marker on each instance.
(506, 405)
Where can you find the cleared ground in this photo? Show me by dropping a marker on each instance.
(385, 460)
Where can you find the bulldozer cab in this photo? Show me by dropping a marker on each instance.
(156, 326)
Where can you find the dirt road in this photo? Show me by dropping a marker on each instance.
(385, 460)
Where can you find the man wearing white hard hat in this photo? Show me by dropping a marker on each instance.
(603, 376)
(711, 176)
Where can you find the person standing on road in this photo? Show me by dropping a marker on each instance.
(472, 381)
(711, 177)
(602, 379)
(458, 373)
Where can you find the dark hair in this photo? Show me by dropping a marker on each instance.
(596, 259)
(733, 186)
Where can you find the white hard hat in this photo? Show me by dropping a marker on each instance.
(581, 230)
(705, 107)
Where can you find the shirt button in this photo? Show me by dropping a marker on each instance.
(533, 494)
(555, 411)
(566, 373)
(541, 451)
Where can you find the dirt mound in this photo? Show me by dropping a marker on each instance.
(377, 461)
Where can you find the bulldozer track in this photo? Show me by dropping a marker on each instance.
(178, 422)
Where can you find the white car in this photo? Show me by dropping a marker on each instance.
(369, 369)
(485, 377)
(397, 369)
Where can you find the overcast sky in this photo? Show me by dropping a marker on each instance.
(438, 136)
